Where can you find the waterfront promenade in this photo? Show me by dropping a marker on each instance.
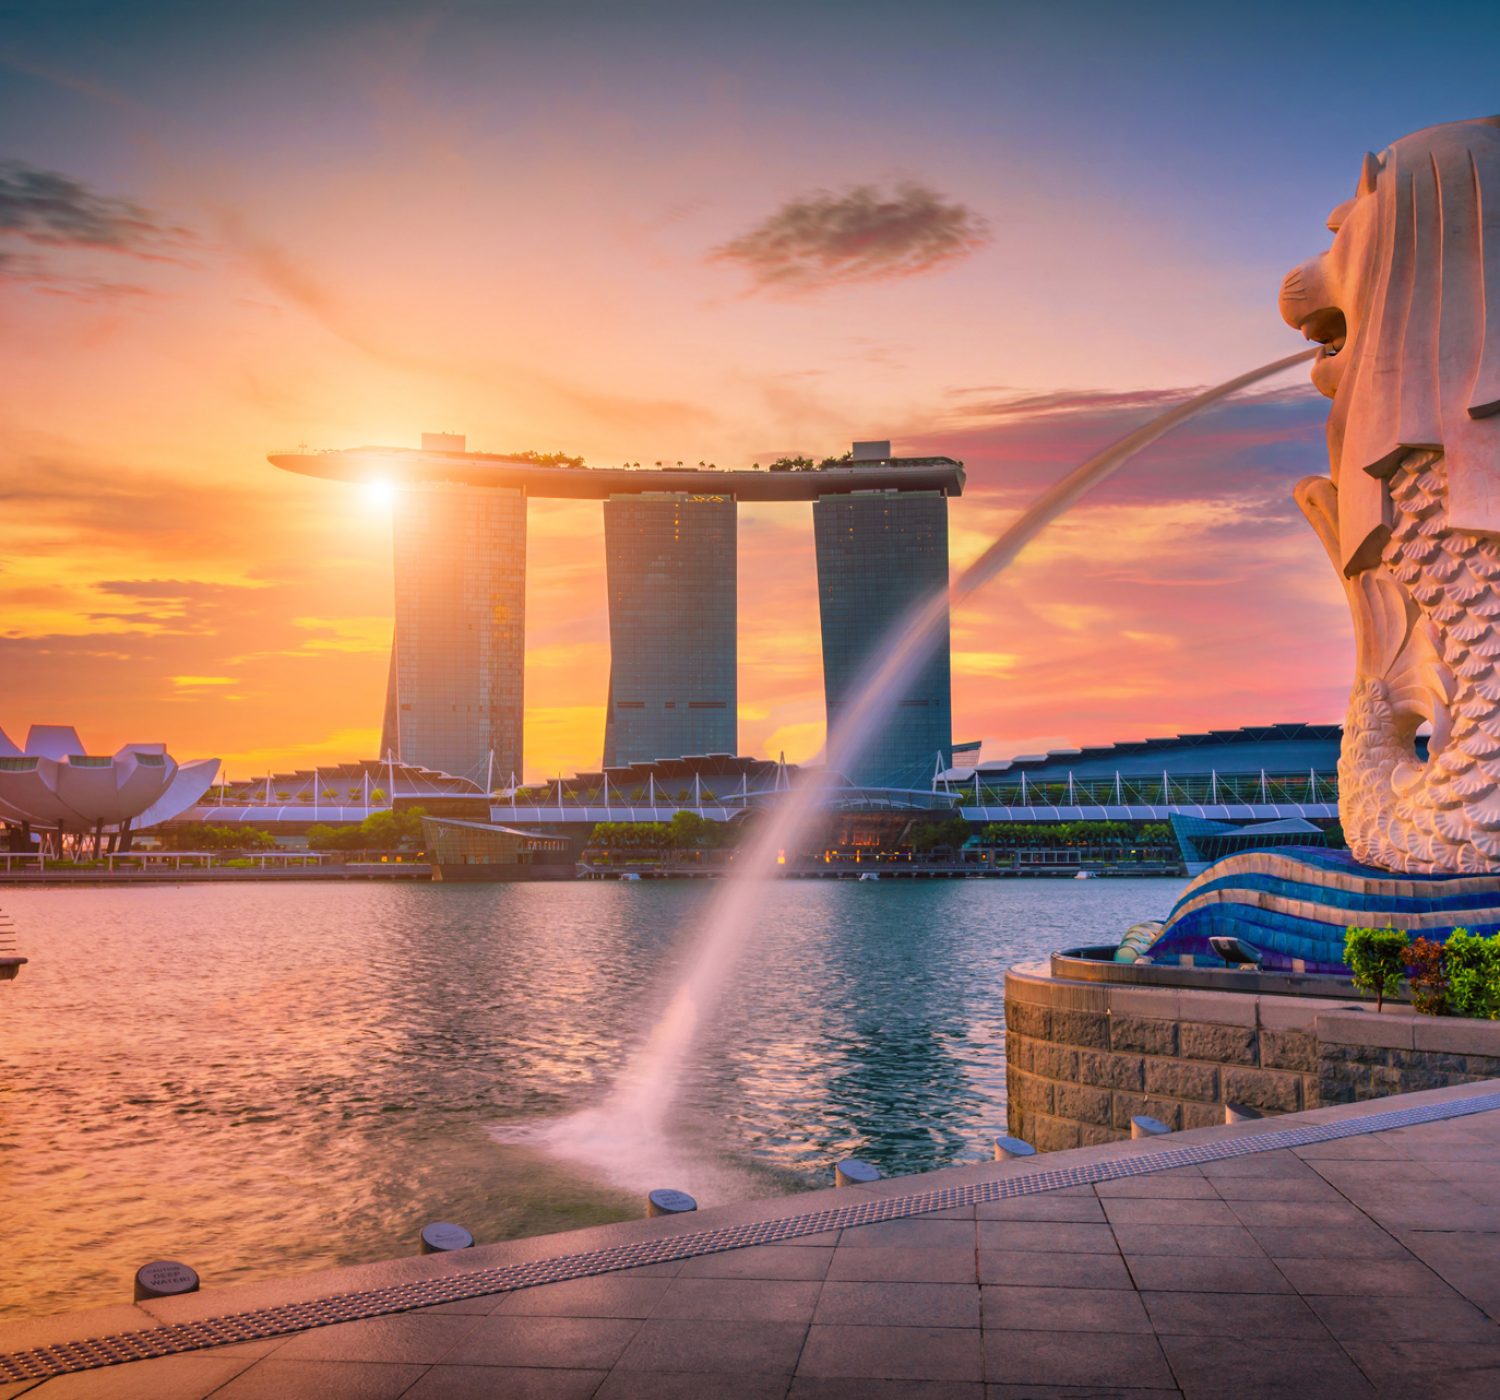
(203, 867)
(1345, 1251)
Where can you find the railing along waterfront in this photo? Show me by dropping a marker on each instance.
(187, 862)
(1310, 788)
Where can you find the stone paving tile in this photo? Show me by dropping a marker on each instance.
(864, 1388)
(166, 1378)
(1449, 1319)
(23, 1333)
(893, 1353)
(1064, 1309)
(504, 1383)
(275, 1379)
(1179, 1273)
(1374, 1278)
(411, 1337)
(1075, 1359)
(263, 1346)
(919, 1233)
(1075, 1209)
(1184, 1183)
(691, 1344)
(609, 1295)
(1447, 1213)
(953, 1213)
(1432, 1370)
(1470, 1263)
(760, 1261)
(1366, 1147)
(739, 1299)
(1248, 1315)
(1270, 1188)
(902, 1265)
(1321, 1213)
(1194, 1241)
(685, 1385)
(1361, 1241)
(1075, 1392)
(582, 1343)
(1132, 1210)
(1277, 1368)
(1263, 1164)
(668, 1269)
(1039, 1269)
(898, 1304)
(1379, 1174)
(466, 1307)
(1043, 1234)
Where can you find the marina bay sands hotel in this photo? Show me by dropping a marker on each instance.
(454, 700)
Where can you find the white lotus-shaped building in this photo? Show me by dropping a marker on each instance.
(54, 785)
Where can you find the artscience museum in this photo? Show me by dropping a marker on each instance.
(57, 797)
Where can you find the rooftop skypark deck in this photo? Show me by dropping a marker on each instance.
(557, 482)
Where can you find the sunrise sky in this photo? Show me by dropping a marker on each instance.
(703, 231)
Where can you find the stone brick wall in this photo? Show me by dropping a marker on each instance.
(1084, 1058)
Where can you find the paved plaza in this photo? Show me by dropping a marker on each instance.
(1364, 1265)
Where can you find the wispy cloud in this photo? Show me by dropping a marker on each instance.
(60, 238)
(371, 633)
(44, 206)
(825, 240)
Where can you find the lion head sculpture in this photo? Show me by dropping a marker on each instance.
(1406, 304)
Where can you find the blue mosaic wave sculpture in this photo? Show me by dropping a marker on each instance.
(1298, 902)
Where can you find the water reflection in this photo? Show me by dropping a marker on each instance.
(265, 1079)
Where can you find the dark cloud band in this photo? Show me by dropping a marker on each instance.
(862, 235)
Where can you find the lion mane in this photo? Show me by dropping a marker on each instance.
(1415, 269)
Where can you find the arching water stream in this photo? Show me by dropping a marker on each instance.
(625, 1136)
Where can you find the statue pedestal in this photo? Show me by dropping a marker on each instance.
(1296, 903)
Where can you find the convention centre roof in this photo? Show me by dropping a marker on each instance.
(1274, 748)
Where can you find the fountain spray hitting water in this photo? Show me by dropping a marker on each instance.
(626, 1132)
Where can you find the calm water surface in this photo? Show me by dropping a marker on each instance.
(264, 1079)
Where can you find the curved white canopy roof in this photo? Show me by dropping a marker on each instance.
(56, 781)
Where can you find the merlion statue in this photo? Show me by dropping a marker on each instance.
(1406, 304)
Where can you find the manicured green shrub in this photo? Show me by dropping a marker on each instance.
(687, 831)
(200, 836)
(1377, 959)
(1473, 968)
(380, 831)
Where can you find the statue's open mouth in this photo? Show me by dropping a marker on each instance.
(1329, 329)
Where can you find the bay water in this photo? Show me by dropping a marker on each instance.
(263, 1079)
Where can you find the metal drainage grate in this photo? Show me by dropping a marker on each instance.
(39, 1363)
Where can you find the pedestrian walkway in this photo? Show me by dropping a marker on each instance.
(1350, 1251)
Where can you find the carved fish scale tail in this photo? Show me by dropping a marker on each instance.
(1444, 815)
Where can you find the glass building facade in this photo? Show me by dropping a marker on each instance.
(878, 553)
(670, 564)
(456, 689)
